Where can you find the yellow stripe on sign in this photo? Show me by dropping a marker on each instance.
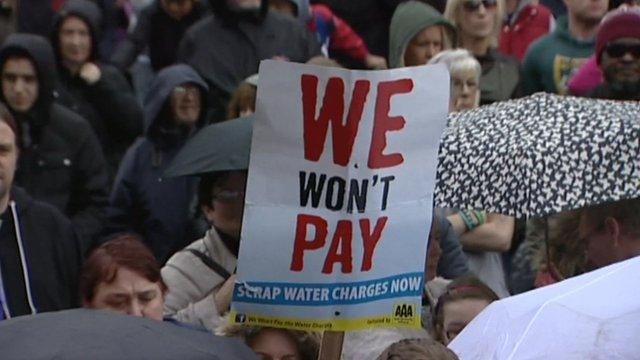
(404, 316)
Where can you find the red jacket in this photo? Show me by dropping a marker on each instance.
(342, 38)
(532, 22)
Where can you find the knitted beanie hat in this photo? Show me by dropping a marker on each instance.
(618, 24)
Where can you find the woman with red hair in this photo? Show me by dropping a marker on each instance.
(122, 275)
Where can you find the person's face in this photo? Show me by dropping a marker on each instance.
(464, 88)
(284, 7)
(458, 314)
(274, 344)
(599, 247)
(8, 158)
(177, 9)
(620, 61)
(19, 84)
(186, 104)
(228, 203)
(477, 18)
(244, 4)
(587, 11)
(75, 40)
(130, 294)
(425, 45)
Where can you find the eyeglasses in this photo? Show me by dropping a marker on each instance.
(473, 5)
(184, 90)
(228, 195)
(618, 50)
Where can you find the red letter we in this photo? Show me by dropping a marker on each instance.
(332, 110)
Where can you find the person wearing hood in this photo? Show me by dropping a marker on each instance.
(478, 23)
(61, 162)
(333, 33)
(526, 21)
(141, 200)
(98, 92)
(418, 32)
(553, 59)
(159, 29)
(39, 250)
(246, 32)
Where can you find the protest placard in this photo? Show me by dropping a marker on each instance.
(339, 197)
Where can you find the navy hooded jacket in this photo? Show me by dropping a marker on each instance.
(141, 200)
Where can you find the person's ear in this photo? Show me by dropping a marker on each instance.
(208, 212)
(612, 229)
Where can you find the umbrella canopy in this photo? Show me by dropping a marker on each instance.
(592, 316)
(93, 334)
(540, 155)
(218, 147)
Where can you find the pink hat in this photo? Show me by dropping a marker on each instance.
(618, 24)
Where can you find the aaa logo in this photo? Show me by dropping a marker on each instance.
(404, 311)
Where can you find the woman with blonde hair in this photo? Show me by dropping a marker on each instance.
(478, 24)
(483, 236)
(465, 73)
(417, 33)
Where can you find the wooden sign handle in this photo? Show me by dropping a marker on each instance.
(331, 346)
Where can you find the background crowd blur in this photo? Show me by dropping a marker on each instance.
(100, 95)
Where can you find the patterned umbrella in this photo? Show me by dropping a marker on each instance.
(540, 155)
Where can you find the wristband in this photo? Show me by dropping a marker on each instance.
(466, 218)
(480, 216)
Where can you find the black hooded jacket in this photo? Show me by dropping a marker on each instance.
(109, 104)
(61, 161)
(48, 279)
(227, 47)
(141, 200)
(159, 33)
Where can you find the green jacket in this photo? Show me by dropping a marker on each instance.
(407, 21)
(551, 61)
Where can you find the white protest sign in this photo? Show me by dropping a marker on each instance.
(339, 196)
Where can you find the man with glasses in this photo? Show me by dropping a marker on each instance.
(142, 200)
(551, 61)
(610, 232)
(199, 278)
(618, 55)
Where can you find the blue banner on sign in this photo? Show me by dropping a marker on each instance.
(272, 293)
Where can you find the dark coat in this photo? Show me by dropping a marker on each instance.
(500, 77)
(605, 91)
(51, 251)
(109, 104)
(141, 200)
(34, 16)
(369, 18)
(61, 161)
(237, 48)
(157, 32)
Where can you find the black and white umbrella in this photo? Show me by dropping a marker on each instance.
(540, 155)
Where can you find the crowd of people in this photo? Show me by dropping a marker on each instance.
(98, 97)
